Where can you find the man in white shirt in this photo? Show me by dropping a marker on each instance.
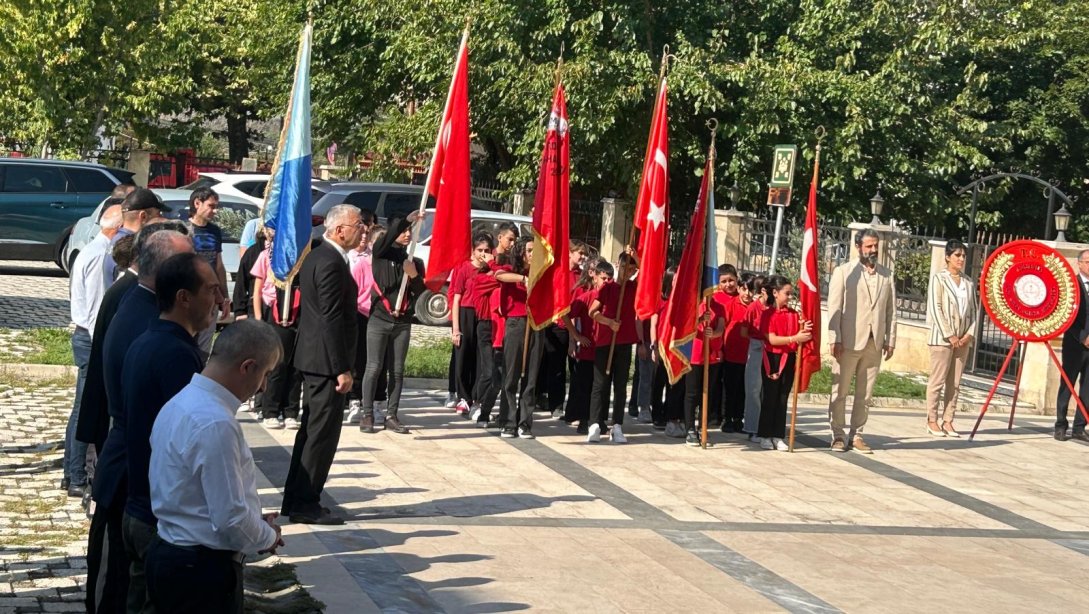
(204, 482)
(87, 286)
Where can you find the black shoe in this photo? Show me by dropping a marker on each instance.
(692, 439)
(1079, 435)
(393, 424)
(633, 412)
(65, 483)
(659, 426)
(493, 424)
(1060, 433)
(727, 427)
(77, 490)
(322, 517)
(583, 429)
(366, 423)
(508, 434)
(482, 424)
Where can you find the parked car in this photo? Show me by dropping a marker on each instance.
(247, 186)
(432, 309)
(40, 200)
(233, 214)
(386, 200)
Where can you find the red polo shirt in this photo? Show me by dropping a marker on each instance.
(512, 297)
(782, 322)
(580, 318)
(718, 314)
(752, 319)
(609, 296)
(735, 348)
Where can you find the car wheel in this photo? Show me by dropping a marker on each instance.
(70, 263)
(432, 309)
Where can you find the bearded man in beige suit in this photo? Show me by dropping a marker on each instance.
(861, 325)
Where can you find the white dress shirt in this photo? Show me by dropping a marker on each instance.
(88, 283)
(202, 475)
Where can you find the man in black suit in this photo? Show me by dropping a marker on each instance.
(324, 355)
(1076, 359)
(107, 565)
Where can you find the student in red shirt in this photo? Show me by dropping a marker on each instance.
(479, 292)
(512, 292)
(735, 348)
(783, 330)
(581, 349)
(709, 330)
(463, 319)
(666, 400)
(612, 317)
(750, 332)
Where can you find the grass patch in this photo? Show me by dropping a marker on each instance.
(14, 379)
(430, 360)
(33, 508)
(891, 385)
(51, 346)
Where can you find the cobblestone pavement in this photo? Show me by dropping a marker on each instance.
(33, 295)
(42, 531)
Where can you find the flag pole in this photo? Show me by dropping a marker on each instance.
(631, 236)
(430, 171)
(798, 353)
(706, 405)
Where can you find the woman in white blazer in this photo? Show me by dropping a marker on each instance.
(952, 312)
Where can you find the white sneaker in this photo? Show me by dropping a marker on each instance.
(618, 435)
(291, 424)
(451, 401)
(644, 416)
(754, 438)
(474, 415)
(766, 443)
(781, 445)
(271, 423)
(594, 435)
(355, 409)
(525, 434)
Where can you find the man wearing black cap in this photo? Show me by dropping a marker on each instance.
(139, 207)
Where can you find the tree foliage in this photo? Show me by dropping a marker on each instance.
(917, 96)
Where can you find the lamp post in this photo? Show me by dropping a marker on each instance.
(877, 204)
(735, 195)
(1062, 222)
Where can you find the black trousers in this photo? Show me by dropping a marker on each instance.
(582, 383)
(666, 400)
(389, 340)
(617, 379)
(465, 372)
(193, 579)
(732, 392)
(553, 375)
(315, 445)
(107, 561)
(451, 374)
(1075, 365)
(488, 385)
(284, 385)
(693, 394)
(138, 536)
(773, 408)
(499, 375)
(520, 407)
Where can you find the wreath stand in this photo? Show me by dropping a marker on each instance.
(1029, 291)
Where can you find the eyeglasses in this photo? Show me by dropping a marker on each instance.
(356, 225)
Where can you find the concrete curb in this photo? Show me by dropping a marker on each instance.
(39, 372)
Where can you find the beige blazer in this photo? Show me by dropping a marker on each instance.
(854, 314)
(944, 312)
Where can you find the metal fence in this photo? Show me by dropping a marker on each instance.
(585, 221)
(910, 256)
(758, 237)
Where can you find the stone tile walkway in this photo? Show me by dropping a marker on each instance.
(453, 519)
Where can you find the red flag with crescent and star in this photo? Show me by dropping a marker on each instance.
(549, 284)
(652, 212)
(449, 182)
(809, 287)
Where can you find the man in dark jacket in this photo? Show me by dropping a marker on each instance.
(1076, 360)
(326, 349)
(159, 364)
(107, 567)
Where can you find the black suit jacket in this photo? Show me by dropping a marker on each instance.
(1074, 337)
(94, 419)
(137, 312)
(328, 304)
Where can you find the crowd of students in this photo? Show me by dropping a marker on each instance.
(572, 370)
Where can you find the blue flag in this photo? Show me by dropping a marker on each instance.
(710, 243)
(287, 199)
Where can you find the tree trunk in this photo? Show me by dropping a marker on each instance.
(238, 142)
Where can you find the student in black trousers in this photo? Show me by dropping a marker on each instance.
(783, 330)
(512, 302)
(615, 321)
(327, 324)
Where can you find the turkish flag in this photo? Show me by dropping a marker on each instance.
(809, 287)
(652, 211)
(549, 285)
(448, 181)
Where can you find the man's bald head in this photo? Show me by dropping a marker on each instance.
(157, 249)
(110, 220)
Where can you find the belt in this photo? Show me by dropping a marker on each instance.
(234, 556)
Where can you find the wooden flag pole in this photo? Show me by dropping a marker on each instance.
(430, 171)
(794, 394)
(631, 236)
(706, 376)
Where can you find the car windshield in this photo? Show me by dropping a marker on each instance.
(201, 182)
(426, 226)
(478, 225)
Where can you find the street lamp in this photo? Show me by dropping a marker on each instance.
(1062, 222)
(877, 204)
(735, 195)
